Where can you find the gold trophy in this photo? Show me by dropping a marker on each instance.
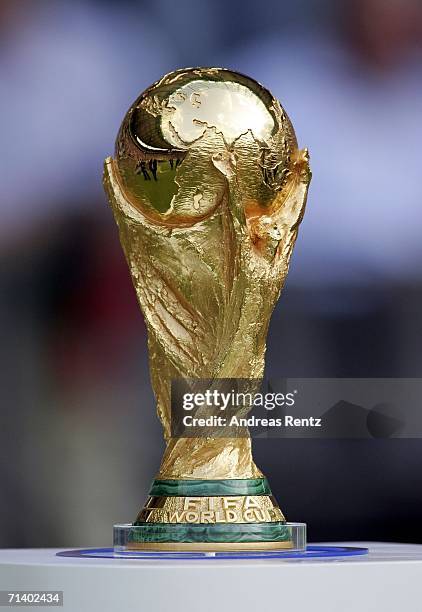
(208, 188)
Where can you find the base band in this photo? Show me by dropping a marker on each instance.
(224, 509)
(213, 533)
(209, 546)
(203, 488)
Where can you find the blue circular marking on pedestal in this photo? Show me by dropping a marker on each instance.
(311, 552)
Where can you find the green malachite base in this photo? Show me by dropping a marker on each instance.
(241, 533)
(210, 488)
(213, 533)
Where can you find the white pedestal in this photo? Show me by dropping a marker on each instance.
(389, 579)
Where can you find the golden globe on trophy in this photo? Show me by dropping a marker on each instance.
(208, 189)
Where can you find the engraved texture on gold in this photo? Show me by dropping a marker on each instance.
(208, 188)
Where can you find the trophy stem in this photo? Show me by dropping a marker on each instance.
(207, 458)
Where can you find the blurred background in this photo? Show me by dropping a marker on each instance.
(79, 438)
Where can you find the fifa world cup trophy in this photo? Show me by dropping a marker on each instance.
(208, 188)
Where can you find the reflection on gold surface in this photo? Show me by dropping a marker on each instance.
(229, 107)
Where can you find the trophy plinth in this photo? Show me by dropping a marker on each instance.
(208, 189)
